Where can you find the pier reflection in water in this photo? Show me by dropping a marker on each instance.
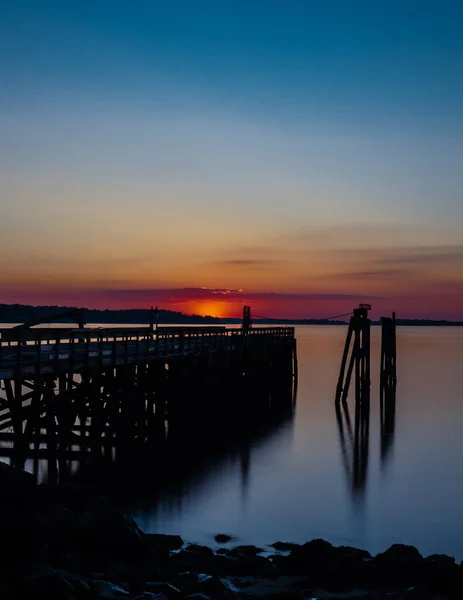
(178, 458)
(354, 438)
(354, 447)
(387, 422)
(289, 481)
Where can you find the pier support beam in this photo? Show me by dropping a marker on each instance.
(356, 357)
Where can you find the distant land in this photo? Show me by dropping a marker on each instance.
(21, 313)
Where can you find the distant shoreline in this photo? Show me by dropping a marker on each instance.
(20, 313)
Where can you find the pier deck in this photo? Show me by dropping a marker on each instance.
(34, 352)
(116, 384)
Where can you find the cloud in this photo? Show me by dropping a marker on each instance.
(245, 262)
(251, 263)
(421, 255)
(189, 293)
(378, 273)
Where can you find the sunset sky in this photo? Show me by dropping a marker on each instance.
(299, 156)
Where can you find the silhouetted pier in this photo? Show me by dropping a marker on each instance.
(79, 390)
(355, 441)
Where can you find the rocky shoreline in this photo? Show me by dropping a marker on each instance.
(67, 543)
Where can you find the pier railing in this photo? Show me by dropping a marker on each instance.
(33, 352)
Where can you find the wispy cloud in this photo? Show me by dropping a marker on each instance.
(420, 255)
(204, 293)
(375, 274)
(251, 262)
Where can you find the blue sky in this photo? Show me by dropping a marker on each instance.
(233, 125)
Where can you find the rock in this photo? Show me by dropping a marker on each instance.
(439, 573)
(347, 553)
(213, 586)
(18, 487)
(200, 550)
(19, 530)
(398, 567)
(104, 528)
(151, 596)
(76, 498)
(52, 584)
(239, 551)
(240, 564)
(197, 559)
(7, 592)
(284, 546)
(55, 524)
(199, 597)
(279, 587)
(311, 554)
(400, 553)
(222, 538)
(243, 582)
(170, 542)
(159, 587)
(158, 548)
(335, 568)
(107, 590)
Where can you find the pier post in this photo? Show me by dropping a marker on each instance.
(388, 383)
(388, 374)
(359, 330)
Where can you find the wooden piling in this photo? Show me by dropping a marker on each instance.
(359, 359)
(388, 373)
(388, 383)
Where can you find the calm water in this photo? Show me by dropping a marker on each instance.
(293, 483)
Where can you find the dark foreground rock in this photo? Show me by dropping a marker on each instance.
(222, 538)
(67, 543)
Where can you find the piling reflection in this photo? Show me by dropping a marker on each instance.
(354, 438)
(354, 446)
(178, 460)
(387, 421)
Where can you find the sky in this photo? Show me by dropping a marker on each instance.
(298, 156)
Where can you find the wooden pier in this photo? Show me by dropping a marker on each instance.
(94, 388)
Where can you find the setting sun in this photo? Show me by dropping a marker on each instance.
(213, 308)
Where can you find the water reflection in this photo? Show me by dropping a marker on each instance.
(354, 446)
(387, 422)
(355, 442)
(156, 482)
(289, 483)
(163, 469)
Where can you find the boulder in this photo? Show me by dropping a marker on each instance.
(241, 564)
(75, 498)
(311, 556)
(151, 596)
(244, 551)
(18, 487)
(103, 528)
(107, 590)
(222, 538)
(439, 573)
(336, 568)
(199, 550)
(284, 546)
(52, 584)
(161, 587)
(399, 566)
(161, 540)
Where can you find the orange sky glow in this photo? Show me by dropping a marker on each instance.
(313, 272)
(293, 161)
